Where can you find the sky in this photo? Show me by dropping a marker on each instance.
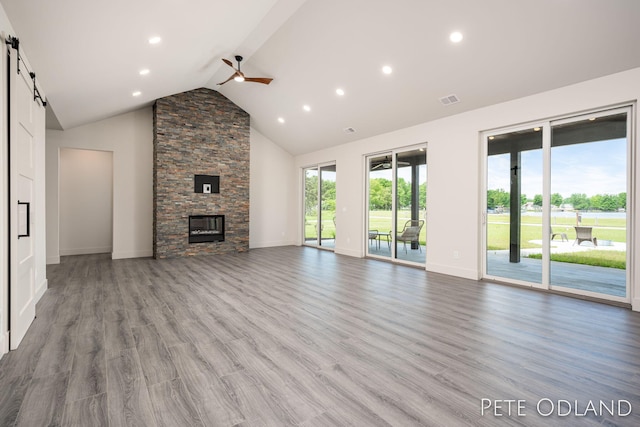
(591, 168)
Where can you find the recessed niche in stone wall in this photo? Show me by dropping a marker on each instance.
(199, 132)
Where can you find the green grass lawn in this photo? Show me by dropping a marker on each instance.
(378, 220)
(611, 259)
(531, 229)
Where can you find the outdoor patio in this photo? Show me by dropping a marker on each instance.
(603, 280)
(412, 255)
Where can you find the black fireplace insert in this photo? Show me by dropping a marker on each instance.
(206, 228)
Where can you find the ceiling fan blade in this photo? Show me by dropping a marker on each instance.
(230, 78)
(378, 166)
(229, 63)
(263, 80)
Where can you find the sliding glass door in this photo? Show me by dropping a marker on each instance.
(514, 227)
(589, 173)
(557, 205)
(397, 202)
(320, 206)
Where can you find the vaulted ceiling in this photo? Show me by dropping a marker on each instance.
(88, 56)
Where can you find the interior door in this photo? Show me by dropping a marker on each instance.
(21, 176)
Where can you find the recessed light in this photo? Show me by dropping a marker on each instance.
(155, 40)
(592, 119)
(280, 119)
(456, 37)
(387, 69)
(136, 93)
(340, 92)
(492, 137)
(144, 72)
(306, 108)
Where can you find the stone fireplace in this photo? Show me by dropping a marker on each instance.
(199, 134)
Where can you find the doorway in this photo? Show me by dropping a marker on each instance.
(558, 205)
(86, 201)
(320, 206)
(397, 205)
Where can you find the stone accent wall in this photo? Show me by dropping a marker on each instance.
(199, 132)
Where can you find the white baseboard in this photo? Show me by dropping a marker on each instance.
(348, 252)
(132, 254)
(271, 244)
(635, 304)
(53, 260)
(4, 343)
(452, 271)
(86, 251)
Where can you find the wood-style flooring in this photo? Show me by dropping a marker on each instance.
(299, 336)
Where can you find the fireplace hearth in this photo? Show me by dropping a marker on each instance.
(206, 228)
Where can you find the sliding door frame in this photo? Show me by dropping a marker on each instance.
(393, 155)
(631, 185)
(318, 241)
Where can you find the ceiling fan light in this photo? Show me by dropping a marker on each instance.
(238, 78)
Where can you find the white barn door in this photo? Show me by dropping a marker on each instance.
(22, 286)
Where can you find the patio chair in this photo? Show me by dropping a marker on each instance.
(563, 236)
(584, 234)
(373, 236)
(411, 233)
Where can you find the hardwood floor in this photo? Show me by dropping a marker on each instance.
(298, 336)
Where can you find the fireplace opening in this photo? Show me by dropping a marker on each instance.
(206, 228)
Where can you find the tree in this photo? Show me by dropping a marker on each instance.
(403, 192)
(497, 198)
(423, 195)
(609, 202)
(310, 194)
(537, 200)
(380, 194)
(622, 201)
(556, 199)
(579, 201)
(328, 195)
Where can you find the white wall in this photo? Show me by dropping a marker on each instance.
(130, 137)
(454, 159)
(86, 201)
(273, 183)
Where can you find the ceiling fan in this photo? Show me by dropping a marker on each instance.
(239, 75)
(386, 164)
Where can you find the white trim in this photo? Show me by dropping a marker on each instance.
(4, 343)
(40, 290)
(86, 251)
(465, 273)
(53, 260)
(132, 254)
(272, 244)
(348, 252)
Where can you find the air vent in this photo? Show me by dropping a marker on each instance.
(349, 130)
(449, 99)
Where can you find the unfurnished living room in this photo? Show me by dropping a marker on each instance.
(319, 213)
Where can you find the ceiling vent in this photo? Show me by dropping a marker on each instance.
(349, 130)
(449, 99)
